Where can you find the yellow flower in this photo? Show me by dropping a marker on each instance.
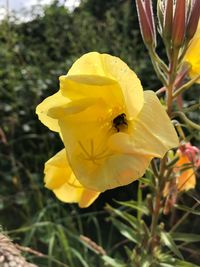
(184, 169)
(111, 129)
(189, 161)
(185, 173)
(192, 55)
(60, 179)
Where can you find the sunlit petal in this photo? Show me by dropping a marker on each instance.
(192, 55)
(61, 180)
(50, 102)
(102, 74)
(152, 132)
(185, 174)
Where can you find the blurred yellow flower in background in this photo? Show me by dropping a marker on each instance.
(189, 161)
(192, 55)
(184, 170)
(111, 129)
(185, 173)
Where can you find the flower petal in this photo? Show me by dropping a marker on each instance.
(186, 178)
(192, 55)
(78, 106)
(116, 170)
(97, 74)
(60, 179)
(152, 132)
(89, 86)
(42, 109)
(128, 81)
(95, 165)
(70, 194)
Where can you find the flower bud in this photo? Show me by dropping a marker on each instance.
(149, 13)
(193, 20)
(145, 15)
(160, 15)
(168, 19)
(178, 28)
(191, 152)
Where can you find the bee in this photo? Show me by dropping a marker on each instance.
(119, 121)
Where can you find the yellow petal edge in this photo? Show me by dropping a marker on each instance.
(60, 179)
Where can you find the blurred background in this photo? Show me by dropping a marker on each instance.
(39, 41)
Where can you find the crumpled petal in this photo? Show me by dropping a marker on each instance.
(152, 132)
(107, 76)
(60, 179)
(43, 108)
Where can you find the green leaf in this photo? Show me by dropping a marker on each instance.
(166, 265)
(184, 264)
(146, 181)
(126, 216)
(135, 205)
(126, 231)
(112, 262)
(186, 237)
(185, 208)
(168, 241)
(50, 249)
(78, 255)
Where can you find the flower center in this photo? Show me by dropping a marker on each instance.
(120, 122)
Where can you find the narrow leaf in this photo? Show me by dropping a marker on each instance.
(112, 262)
(134, 205)
(168, 241)
(185, 237)
(126, 231)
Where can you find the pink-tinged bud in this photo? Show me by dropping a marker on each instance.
(149, 13)
(178, 28)
(168, 19)
(145, 25)
(184, 169)
(191, 152)
(193, 20)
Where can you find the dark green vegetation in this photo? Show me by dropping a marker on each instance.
(32, 57)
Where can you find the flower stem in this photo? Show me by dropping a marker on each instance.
(157, 204)
(159, 66)
(154, 223)
(185, 86)
(186, 120)
(171, 79)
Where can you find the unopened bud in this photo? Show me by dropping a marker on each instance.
(193, 20)
(168, 19)
(149, 13)
(178, 31)
(145, 17)
(160, 15)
